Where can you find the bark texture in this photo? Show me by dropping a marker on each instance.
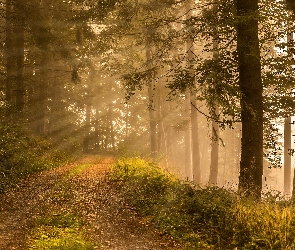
(9, 46)
(251, 165)
(287, 156)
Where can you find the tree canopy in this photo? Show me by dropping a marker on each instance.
(121, 75)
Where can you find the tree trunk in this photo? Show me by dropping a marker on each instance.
(111, 126)
(188, 140)
(287, 156)
(96, 130)
(9, 46)
(160, 124)
(86, 138)
(195, 143)
(251, 165)
(151, 95)
(214, 152)
(153, 126)
(215, 127)
(293, 191)
(287, 133)
(20, 50)
(195, 150)
(42, 95)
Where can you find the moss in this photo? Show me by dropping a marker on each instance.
(58, 231)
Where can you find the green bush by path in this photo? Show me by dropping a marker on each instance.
(208, 218)
(22, 154)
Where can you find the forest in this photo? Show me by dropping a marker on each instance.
(181, 109)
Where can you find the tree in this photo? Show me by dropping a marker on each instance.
(195, 149)
(9, 45)
(287, 130)
(287, 156)
(251, 166)
(20, 56)
(151, 93)
(214, 152)
(215, 127)
(287, 133)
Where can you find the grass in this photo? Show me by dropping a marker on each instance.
(77, 170)
(204, 218)
(58, 232)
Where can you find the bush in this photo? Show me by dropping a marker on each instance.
(22, 154)
(203, 218)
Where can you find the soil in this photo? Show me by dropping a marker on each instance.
(110, 222)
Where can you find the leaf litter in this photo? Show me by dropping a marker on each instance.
(110, 222)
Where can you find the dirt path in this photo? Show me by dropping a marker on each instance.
(110, 222)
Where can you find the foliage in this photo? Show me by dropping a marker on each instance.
(213, 73)
(61, 231)
(21, 154)
(209, 218)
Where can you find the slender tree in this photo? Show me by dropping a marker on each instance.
(151, 94)
(9, 47)
(188, 137)
(287, 141)
(287, 133)
(214, 152)
(215, 126)
(20, 56)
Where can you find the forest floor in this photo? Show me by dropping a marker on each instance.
(110, 222)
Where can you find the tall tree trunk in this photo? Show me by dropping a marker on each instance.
(195, 143)
(214, 152)
(86, 138)
(96, 130)
(287, 169)
(111, 126)
(251, 165)
(161, 114)
(287, 156)
(20, 50)
(153, 125)
(9, 46)
(188, 139)
(160, 124)
(169, 137)
(215, 127)
(42, 94)
(126, 122)
(287, 132)
(53, 89)
(195, 148)
(151, 95)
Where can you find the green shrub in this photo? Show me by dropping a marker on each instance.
(22, 154)
(203, 218)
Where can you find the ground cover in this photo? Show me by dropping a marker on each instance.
(204, 218)
(75, 206)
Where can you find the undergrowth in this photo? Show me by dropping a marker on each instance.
(58, 231)
(22, 154)
(204, 218)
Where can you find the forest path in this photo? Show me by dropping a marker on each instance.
(84, 189)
